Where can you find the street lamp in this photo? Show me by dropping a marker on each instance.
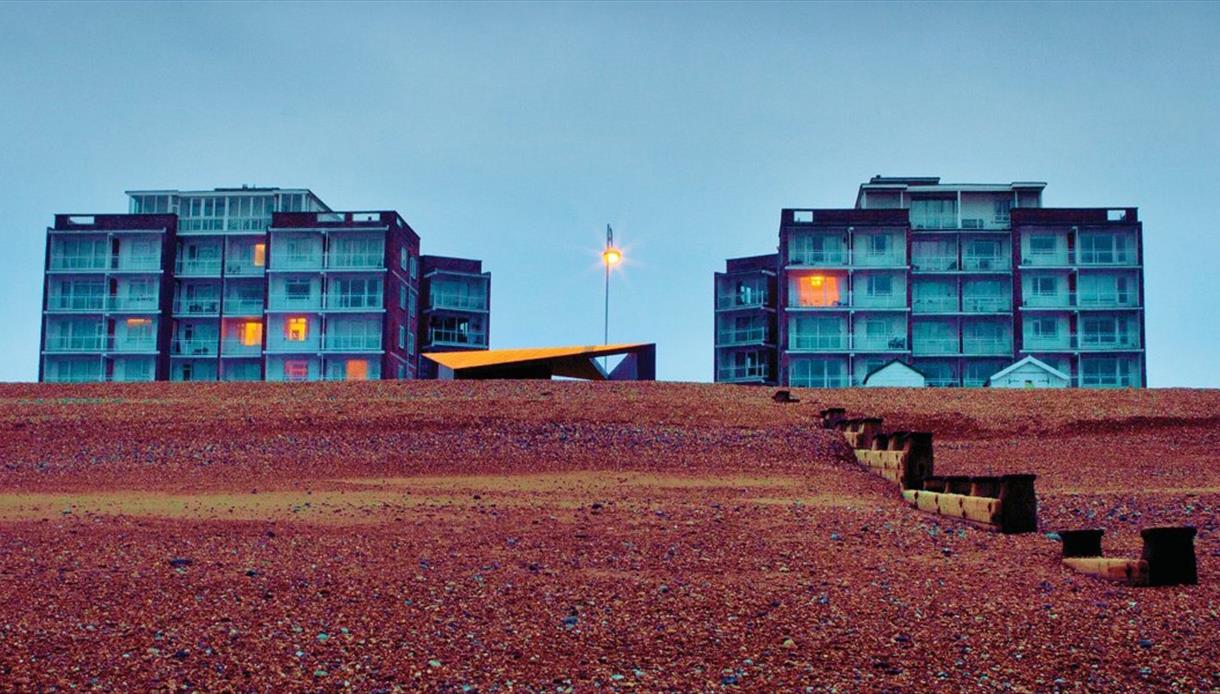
(611, 256)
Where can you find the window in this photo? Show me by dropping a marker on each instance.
(402, 296)
(880, 285)
(296, 329)
(1042, 244)
(296, 370)
(260, 254)
(1046, 285)
(402, 257)
(878, 244)
(934, 214)
(402, 371)
(817, 290)
(250, 333)
(1045, 327)
(414, 265)
(410, 344)
(1003, 211)
(297, 289)
(402, 337)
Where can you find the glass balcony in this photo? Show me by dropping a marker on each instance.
(1106, 340)
(934, 263)
(138, 304)
(1107, 257)
(356, 261)
(138, 263)
(884, 343)
(935, 345)
(743, 372)
(353, 302)
(84, 303)
(198, 268)
(817, 343)
(294, 302)
(75, 343)
(238, 268)
(194, 347)
(756, 299)
(295, 261)
(862, 300)
(458, 302)
(825, 258)
(935, 304)
(438, 336)
(352, 343)
(986, 263)
(986, 345)
(80, 263)
(1048, 343)
(986, 304)
(1106, 299)
(234, 306)
(1057, 259)
(1058, 300)
(880, 260)
(196, 307)
(745, 336)
(235, 347)
(133, 344)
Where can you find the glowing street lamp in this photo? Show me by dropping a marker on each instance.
(611, 256)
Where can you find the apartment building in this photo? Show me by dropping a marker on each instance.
(234, 284)
(456, 307)
(958, 280)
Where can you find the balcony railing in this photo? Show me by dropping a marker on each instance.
(743, 372)
(197, 307)
(458, 302)
(865, 343)
(986, 345)
(818, 343)
(935, 304)
(197, 268)
(75, 343)
(295, 261)
(934, 221)
(352, 343)
(133, 303)
(237, 268)
(831, 258)
(235, 347)
(934, 263)
(862, 300)
(728, 338)
(986, 304)
(732, 301)
(1104, 341)
(138, 263)
(883, 260)
(242, 307)
(194, 347)
(353, 302)
(1058, 342)
(1107, 257)
(76, 302)
(133, 344)
(356, 261)
(80, 262)
(1105, 299)
(986, 263)
(1047, 259)
(456, 337)
(1058, 300)
(294, 302)
(935, 345)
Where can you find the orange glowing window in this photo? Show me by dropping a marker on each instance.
(250, 334)
(819, 290)
(138, 322)
(260, 254)
(357, 370)
(296, 329)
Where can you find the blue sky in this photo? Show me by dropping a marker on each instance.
(514, 132)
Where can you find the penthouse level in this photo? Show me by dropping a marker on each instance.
(958, 280)
(247, 292)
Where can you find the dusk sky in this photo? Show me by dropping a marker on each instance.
(515, 132)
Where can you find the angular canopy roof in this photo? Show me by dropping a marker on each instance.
(546, 362)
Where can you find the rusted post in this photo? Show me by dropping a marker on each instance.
(1170, 553)
(1018, 504)
(831, 417)
(918, 464)
(986, 486)
(1081, 543)
(957, 484)
(869, 427)
(881, 442)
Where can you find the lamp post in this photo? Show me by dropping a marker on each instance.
(610, 256)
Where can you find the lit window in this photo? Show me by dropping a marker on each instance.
(357, 370)
(296, 329)
(260, 254)
(138, 322)
(251, 333)
(819, 290)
